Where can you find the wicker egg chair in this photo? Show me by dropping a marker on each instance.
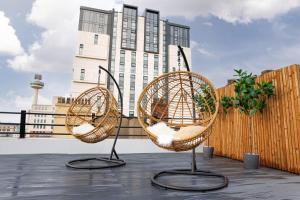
(98, 107)
(170, 99)
(91, 118)
(188, 104)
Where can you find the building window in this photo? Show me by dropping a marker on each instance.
(94, 21)
(145, 64)
(80, 49)
(129, 27)
(145, 81)
(179, 36)
(133, 62)
(165, 68)
(96, 39)
(122, 61)
(121, 82)
(132, 92)
(113, 52)
(132, 82)
(82, 74)
(131, 113)
(152, 31)
(145, 70)
(156, 62)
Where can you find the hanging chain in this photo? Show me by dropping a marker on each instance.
(99, 74)
(178, 55)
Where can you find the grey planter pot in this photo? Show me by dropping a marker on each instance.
(251, 161)
(208, 152)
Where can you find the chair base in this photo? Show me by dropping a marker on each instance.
(112, 162)
(189, 172)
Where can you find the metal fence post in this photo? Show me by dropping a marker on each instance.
(23, 124)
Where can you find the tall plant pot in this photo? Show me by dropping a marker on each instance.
(208, 152)
(251, 161)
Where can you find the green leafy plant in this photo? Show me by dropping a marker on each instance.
(205, 101)
(250, 97)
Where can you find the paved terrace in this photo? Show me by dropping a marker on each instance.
(45, 177)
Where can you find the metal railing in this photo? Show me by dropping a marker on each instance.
(23, 124)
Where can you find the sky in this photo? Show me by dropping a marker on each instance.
(39, 37)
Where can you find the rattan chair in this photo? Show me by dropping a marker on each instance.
(187, 103)
(171, 99)
(91, 118)
(97, 107)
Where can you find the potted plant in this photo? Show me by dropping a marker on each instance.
(206, 105)
(250, 98)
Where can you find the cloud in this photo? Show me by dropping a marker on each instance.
(232, 11)
(9, 42)
(208, 24)
(54, 50)
(198, 48)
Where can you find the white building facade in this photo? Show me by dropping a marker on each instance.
(135, 50)
(43, 115)
(9, 130)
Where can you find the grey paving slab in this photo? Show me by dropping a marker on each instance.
(45, 177)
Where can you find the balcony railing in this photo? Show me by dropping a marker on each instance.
(22, 125)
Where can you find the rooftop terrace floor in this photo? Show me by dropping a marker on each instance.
(46, 177)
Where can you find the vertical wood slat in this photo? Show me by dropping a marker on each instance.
(276, 130)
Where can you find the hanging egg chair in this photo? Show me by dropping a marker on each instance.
(177, 111)
(171, 102)
(91, 118)
(93, 115)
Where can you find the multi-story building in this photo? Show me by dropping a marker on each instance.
(41, 117)
(135, 49)
(9, 130)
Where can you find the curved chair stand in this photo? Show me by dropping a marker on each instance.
(155, 179)
(199, 173)
(190, 172)
(110, 161)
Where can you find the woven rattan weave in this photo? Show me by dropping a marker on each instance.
(98, 107)
(180, 99)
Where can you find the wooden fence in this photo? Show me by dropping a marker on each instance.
(276, 131)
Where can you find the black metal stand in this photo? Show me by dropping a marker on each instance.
(110, 161)
(190, 172)
(193, 171)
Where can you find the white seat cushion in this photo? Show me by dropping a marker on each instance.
(163, 133)
(82, 129)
